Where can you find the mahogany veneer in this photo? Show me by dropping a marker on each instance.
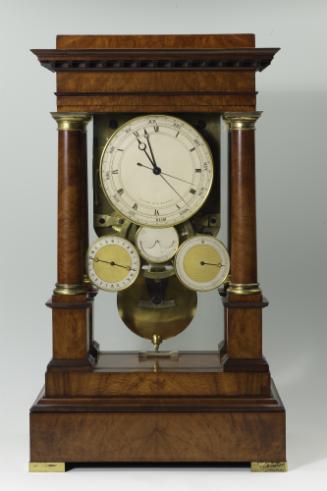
(158, 430)
(217, 406)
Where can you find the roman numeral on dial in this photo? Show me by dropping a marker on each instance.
(147, 184)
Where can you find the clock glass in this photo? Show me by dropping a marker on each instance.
(156, 170)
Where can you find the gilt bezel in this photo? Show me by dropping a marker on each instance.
(121, 239)
(185, 217)
(186, 246)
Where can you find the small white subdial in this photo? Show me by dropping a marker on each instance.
(156, 170)
(113, 263)
(157, 245)
(202, 263)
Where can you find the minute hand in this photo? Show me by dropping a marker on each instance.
(172, 187)
(142, 146)
(166, 174)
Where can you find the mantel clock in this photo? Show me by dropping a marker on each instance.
(156, 105)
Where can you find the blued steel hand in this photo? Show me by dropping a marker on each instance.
(165, 174)
(147, 137)
(112, 263)
(172, 187)
(219, 265)
(155, 243)
(142, 146)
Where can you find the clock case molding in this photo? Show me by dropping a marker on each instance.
(217, 406)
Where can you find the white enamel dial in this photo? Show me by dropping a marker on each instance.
(156, 170)
(157, 245)
(113, 263)
(202, 263)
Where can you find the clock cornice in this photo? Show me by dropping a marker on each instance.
(77, 60)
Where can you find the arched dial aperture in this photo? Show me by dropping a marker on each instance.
(156, 170)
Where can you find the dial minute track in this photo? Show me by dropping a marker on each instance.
(184, 190)
(112, 263)
(166, 174)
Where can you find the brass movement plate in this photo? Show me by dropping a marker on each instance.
(269, 466)
(47, 467)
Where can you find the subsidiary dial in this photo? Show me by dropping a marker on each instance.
(156, 170)
(157, 245)
(113, 263)
(202, 263)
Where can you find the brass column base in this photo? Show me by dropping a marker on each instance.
(47, 467)
(269, 466)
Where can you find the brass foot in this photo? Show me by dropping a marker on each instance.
(47, 467)
(269, 466)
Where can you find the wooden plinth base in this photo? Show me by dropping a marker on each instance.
(62, 466)
(159, 430)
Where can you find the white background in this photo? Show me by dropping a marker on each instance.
(292, 237)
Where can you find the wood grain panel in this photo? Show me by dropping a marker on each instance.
(103, 384)
(194, 41)
(164, 82)
(158, 430)
(244, 339)
(164, 437)
(149, 105)
(71, 338)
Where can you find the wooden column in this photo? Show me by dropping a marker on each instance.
(243, 302)
(72, 202)
(70, 303)
(243, 245)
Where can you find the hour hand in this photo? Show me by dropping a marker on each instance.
(165, 174)
(204, 263)
(143, 147)
(147, 137)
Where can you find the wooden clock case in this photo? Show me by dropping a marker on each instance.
(203, 407)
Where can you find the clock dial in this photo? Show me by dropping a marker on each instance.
(113, 263)
(156, 170)
(202, 263)
(157, 245)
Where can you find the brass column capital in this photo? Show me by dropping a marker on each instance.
(244, 288)
(69, 289)
(71, 121)
(241, 121)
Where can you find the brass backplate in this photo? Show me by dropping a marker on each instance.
(166, 319)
